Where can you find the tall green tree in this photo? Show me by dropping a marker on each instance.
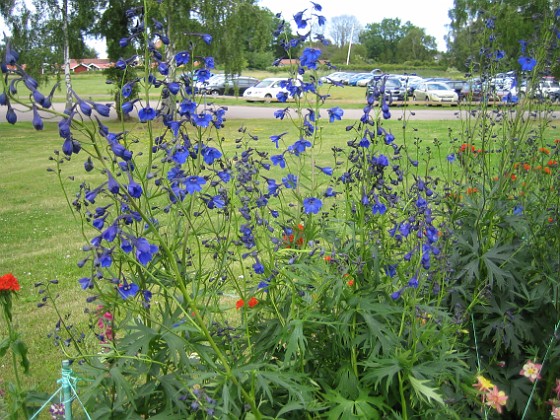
(382, 40)
(477, 25)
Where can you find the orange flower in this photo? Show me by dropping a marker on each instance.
(296, 238)
(240, 304)
(550, 220)
(253, 302)
(513, 177)
(472, 190)
(526, 166)
(552, 162)
(496, 399)
(544, 150)
(547, 170)
(9, 283)
(327, 258)
(557, 141)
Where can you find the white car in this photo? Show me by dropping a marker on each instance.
(435, 92)
(266, 90)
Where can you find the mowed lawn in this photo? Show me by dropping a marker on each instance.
(41, 240)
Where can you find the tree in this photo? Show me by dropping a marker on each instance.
(477, 25)
(416, 45)
(343, 29)
(382, 39)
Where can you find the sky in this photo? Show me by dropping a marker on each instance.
(431, 15)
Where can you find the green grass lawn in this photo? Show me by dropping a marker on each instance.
(42, 241)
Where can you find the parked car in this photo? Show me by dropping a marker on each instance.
(435, 92)
(335, 76)
(364, 82)
(393, 89)
(545, 88)
(353, 81)
(459, 86)
(227, 84)
(266, 90)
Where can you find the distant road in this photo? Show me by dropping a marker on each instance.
(247, 112)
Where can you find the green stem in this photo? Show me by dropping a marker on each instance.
(403, 399)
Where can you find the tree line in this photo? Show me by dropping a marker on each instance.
(243, 32)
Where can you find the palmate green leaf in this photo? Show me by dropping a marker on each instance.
(296, 342)
(423, 391)
(493, 259)
(363, 407)
(381, 370)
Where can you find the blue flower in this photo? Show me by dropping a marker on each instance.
(202, 120)
(290, 181)
(309, 58)
(300, 21)
(86, 283)
(206, 38)
(413, 282)
(147, 114)
(299, 146)
(127, 290)
(278, 160)
(326, 170)
(518, 210)
(527, 63)
(134, 189)
(281, 113)
(389, 138)
(276, 138)
(210, 154)
(144, 251)
(335, 113)
(258, 267)
(397, 294)
(182, 57)
(451, 158)
(364, 142)
(379, 208)
(194, 184)
(312, 205)
(37, 120)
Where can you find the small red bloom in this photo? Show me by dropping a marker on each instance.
(544, 150)
(9, 283)
(253, 302)
(240, 304)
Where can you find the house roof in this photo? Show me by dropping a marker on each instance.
(100, 63)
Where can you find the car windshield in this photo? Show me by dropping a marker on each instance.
(265, 83)
(437, 86)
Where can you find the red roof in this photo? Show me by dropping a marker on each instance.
(91, 63)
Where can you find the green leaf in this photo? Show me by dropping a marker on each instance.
(297, 342)
(4, 346)
(423, 391)
(20, 349)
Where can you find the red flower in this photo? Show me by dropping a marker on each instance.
(253, 302)
(9, 283)
(240, 304)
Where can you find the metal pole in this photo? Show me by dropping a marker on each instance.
(350, 45)
(67, 389)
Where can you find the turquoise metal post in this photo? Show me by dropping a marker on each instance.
(67, 389)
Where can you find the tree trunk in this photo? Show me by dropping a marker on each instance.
(67, 77)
